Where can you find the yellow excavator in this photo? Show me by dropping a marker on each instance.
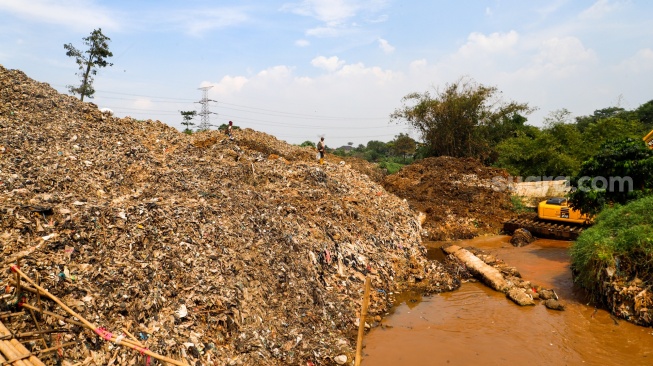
(649, 140)
(555, 218)
(557, 209)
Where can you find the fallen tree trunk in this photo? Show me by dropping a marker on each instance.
(490, 276)
(487, 274)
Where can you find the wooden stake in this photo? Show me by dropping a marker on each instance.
(361, 325)
(18, 281)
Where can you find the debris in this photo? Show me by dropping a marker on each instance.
(458, 196)
(161, 219)
(521, 237)
(554, 304)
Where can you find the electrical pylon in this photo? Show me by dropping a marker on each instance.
(205, 123)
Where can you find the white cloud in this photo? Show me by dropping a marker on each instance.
(600, 8)
(76, 14)
(330, 64)
(567, 51)
(495, 42)
(302, 43)
(359, 70)
(325, 32)
(331, 12)
(641, 62)
(551, 6)
(142, 103)
(199, 21)
(276, 72)
(385, 46)
(228, 84)
(418, 64)
(338, 16)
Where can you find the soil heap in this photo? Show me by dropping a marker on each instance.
(207, 250)
(460, 197)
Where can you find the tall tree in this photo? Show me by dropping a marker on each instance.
(188, 120)
(403, 145)
(449, 123)
(89, 61)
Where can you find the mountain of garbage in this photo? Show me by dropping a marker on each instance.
(211, 251)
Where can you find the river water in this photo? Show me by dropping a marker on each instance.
(478, 326)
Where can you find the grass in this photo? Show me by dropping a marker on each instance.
(620, 242)
(518, 205)
(391, 167)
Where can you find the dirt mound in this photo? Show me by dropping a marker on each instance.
(240, 252)
(458, 196)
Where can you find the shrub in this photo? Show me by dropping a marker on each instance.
(620, 244)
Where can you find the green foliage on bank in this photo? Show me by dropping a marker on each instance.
(619, 244)
(391, 156)
(619, 172)
(561, 146)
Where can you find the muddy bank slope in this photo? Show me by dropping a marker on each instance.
(216, 252)
(457, 196)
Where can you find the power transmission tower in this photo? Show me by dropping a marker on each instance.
(205, 123)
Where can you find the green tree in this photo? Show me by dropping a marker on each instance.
(583, 122)
(89, 61)
(537, 153)
(307, 143)
(645, 114)
(403, 145)
(610, 128)
(449, 123)
(619, 172)
(376, 150)
(500, 129)
(187, 117)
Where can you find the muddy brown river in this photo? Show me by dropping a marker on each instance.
(478, 326)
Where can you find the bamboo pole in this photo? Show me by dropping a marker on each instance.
(13, 354)
(361, 324)
(101, 332)
(63, 318)
(9, 315)
(30, 334)
(20, 348)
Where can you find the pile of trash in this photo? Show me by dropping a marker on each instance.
(461, 198)
(207, 250)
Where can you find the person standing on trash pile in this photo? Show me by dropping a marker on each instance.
(321, 146)
(229, 129)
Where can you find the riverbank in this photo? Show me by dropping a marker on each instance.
(476, 325)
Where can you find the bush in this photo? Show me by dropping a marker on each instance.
(518, 205)
(390, 166)
(620, 242)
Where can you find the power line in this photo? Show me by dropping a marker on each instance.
(205, 114)
(247, 108)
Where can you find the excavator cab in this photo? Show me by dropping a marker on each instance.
(557, 209)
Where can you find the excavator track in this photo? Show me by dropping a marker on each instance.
(544, 229)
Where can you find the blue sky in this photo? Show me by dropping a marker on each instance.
(336, 68)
